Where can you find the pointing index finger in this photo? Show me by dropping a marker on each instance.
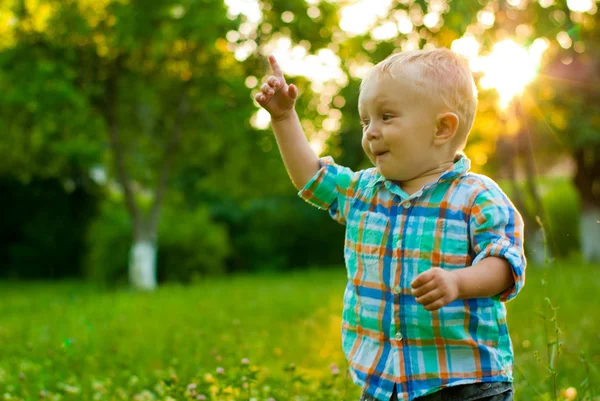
(275, 67)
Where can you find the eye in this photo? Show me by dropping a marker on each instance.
(387, 117)
(365, 123)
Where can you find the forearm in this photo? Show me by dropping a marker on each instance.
(300, 160)
(487, 278)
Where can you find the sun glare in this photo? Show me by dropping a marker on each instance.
(249, 8)
(581, 6)
(510, 67)
(317, 146)
(358, 18)
(321, 67)
(467, 46)
(261, 119)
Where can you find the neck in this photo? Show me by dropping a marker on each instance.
(430, 176)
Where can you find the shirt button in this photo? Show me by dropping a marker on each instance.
(397, 289)
(406, 205)
(398, 337)
(505, 243)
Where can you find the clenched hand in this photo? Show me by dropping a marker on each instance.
(435, 288)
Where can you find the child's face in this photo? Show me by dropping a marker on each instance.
(398, 125)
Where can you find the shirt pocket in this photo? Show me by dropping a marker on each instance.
(444, 241)
(372, 231)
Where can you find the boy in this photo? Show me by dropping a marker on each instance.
(432, 251)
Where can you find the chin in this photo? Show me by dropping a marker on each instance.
(389, 175)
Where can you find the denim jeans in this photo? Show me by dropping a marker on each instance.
(497, 391)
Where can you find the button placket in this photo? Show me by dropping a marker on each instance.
(397, 289)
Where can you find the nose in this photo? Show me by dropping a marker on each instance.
(372, 132)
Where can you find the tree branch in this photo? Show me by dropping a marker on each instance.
(169, 155)
(111, 88)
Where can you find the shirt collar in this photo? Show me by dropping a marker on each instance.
(461, 165)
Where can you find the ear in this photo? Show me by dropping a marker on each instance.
(447, 124)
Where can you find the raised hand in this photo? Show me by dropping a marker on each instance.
(276, 96)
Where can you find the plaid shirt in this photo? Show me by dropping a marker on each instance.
(391, 237)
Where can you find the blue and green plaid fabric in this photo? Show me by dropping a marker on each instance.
(388, 338)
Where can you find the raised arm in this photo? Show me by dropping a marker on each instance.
(279, 98)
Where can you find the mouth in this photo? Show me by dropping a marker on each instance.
(378, 154)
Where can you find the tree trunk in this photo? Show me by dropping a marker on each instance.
(590, 234)
(586, 181)
(142, 257)
(142, 262)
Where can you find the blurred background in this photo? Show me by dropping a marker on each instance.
(132, 154)
(129, 123)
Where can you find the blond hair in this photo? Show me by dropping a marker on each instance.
(445, 76)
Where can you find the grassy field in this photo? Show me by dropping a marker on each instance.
(256, 338)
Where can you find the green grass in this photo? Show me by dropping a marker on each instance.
(75, 341)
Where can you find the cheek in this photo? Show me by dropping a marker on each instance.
(409, 143)
(365, 145)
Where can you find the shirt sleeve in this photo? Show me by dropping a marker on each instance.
(331, 189)
(496, 229)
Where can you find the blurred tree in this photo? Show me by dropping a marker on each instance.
(145, 87)
(571, 119)
(156, 92)
(562, 106)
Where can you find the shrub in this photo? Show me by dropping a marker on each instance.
(189, 244)
(108, 242)
(280, 233)
(562, 206)
(561, 203)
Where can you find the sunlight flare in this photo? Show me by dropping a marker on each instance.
(358, 18)
(510, 67)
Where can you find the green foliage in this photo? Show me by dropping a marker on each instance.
(72, 71)
(278, 234)
(48, 127)
(108, 242)
(190, 245)
(122, 345)
(563, 206)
